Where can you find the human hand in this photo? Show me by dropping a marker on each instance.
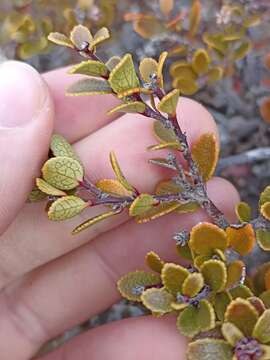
(51, 280)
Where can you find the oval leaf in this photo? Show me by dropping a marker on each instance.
(157, 300)
(89, 86)
(65, 208)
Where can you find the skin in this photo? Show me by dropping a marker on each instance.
(51, 281)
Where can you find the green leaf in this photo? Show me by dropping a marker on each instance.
(265, 196)
(194, 18)
(123, 77)
(90, 222)
(263, 239)
(141, 205)
(36, 195)
(265, 210)
(240, 291)
(201, 61)
(100, 36)
(89, 86)
(169, 102)
(214, 274)
(243, 212)
(265, 297)
(157, 211)
(154, 262)
(163, 134)
(193, 320)
(262, 328)
(131, 107)
(81, 35)
(48, 189)
(173, 277)
(157, 300)
(90, 68)
(209, 349)
(60, 147)
(192, 285)
(148, 67)
(118, 173)
(60, 39)
(243, 315)
(235, 272)
(112, 62)
(242, 50)
(231, 333)
(65, 208)
(63, 173)
(132, 285)
(221, 301)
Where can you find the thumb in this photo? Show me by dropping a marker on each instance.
(26, 121)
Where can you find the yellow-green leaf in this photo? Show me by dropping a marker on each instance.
(186, 86)
(112, 62)
(261, 331)
(243, 315)
(215, 74)
(48, 189)
(154, 262)
(242, 239)
(89, 86)
(265, 297)
(60, 147)
(221, 301)
(132, 285)
(265, 196)
(157, 211)
(206, 237)
(214, 274)
(209, 349)
(90, 222)
(192, 285)
(169, 145)
(113, 186)
(167, 187)
(131, 107)
(148, 67)
(169, 102)
(161, 62)
(265, 210)
(36, 195)
(123, 77)
(201, 61)
(148, 27)
(81, 36)
(242, 50)
(231, 333)
(173, 277)
(241, 291)
(141, 205)
(205, 152)
(118, 173)
(263, 239)
(66, 207)
(243, 211)
(90, 68)
(235, 272)
(63, 173)
(194, 17)
(157, 300)
(100, 36)
(163, 134)
(60, 39)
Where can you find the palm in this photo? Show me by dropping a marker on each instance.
(52, 280)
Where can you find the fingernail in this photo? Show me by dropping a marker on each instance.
(22, 94)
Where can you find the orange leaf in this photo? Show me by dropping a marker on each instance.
(265, 110)
(241, 239)
(267, 280)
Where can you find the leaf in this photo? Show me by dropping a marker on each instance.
(265, 210)
(169, 102)
(205, 152)
(193, 320)
(201, 61)
(157, 300)
(184, 252)
(259, 277)
(80, 36)
(142, 204)
(166, 6)
(265, 110)
(100, 36)
(60, 147)
(241, 291)
(118, 173)
(215, 74)
(167, 187)
(123, 77)
(90, 68)
(89, 86)
(60, 39)
(90, 222)
(154, 262)
(173, 277)
(242, 239)
(162, 162)
(214, 274)
(148, 27)
(194, 18)
(186, 86)
(48, 189)
(131, 107)
(148, 67)
(242, 51)
(157, 211)
(169, 145)
(231, 333)
(182, 69)
(66, 208)
(265, 196)
(36, 195)
(132, 285)
(161, 62)
(267, 280)
(234, 273)
(265, 297)
(112, 62)
(29, 49)
(209, 349)
(263, 239)
(113, 186)
(163, 134)
(243, 315)
(243, 212)
(192, 285)
(188, 208)
(63, 173)
(258, 304)
(206, 237)
(261, 331)
(221, 301)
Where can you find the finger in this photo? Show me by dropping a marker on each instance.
(32, 240)
(78, 116)
(26, 114)
(85, 280)
(131, 339)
